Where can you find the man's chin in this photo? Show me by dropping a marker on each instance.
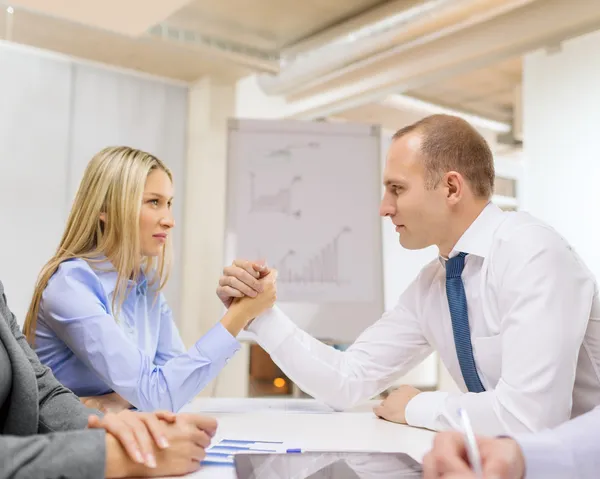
(410, 245)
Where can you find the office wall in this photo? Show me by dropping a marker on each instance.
(561, 93)
(55, 113)
(34, 128)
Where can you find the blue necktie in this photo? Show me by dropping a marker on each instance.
(455, 290)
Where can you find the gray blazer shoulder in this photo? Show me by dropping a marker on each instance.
(44, 432)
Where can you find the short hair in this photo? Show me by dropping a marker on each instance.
(449, 143)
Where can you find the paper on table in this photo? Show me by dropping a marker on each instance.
(258, 405)
(222, 451)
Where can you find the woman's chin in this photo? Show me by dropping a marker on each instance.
(152, 253)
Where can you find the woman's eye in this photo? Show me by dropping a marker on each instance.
(154, 202)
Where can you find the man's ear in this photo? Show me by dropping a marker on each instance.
(454, 184)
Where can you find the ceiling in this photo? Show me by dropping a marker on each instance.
(185, 40)
(267, 24)
(488, 92)
(145, 54)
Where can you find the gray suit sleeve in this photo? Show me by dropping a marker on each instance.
(68, 455)
(60, 409)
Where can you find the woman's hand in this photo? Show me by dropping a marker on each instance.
(241, 279)
(249, 307)
(136, 432)
(243, 310)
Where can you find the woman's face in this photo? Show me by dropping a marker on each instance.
(156, 217)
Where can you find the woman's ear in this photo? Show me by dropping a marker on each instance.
(103, 217)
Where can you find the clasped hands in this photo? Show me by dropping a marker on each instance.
(248, 287)
(157, 443)
(254, 280)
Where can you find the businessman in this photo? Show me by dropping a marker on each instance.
(508, 305)
(572, 450)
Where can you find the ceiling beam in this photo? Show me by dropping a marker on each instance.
(535, 26)
(127, 17)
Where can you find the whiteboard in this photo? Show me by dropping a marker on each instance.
(304, 196)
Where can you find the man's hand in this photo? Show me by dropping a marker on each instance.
(188, 437)
(243, 310)
(500, 458)
(136, 432)
(393, 408)
(241, 279)
(107, 403)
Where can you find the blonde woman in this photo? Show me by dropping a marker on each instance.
(98, 318)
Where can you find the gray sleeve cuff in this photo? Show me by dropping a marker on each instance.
(69, 455)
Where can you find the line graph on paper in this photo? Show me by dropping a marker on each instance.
(322, 267)
(279, 202)
(287, 152)
(284, 155)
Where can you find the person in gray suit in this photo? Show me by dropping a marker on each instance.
(46, 432)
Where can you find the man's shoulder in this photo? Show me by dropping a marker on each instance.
(521, 227)
(522, 235)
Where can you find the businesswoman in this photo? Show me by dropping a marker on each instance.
(98, 318)
(45, 432)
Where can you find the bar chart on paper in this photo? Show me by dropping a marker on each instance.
(321, 268)
(304, 197)
(223, 451)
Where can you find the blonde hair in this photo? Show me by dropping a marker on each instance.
(113, 184)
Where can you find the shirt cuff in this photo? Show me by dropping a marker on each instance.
(217, 344)
(545, 456)
(272, 328)
(424, 409)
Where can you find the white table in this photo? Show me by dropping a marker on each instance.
(279, 420)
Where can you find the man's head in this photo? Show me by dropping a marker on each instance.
(439, 175)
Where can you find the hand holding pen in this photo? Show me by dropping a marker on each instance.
(491, 458)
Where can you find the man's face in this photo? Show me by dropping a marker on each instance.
(420, 214)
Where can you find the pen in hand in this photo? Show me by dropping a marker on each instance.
(471, 444)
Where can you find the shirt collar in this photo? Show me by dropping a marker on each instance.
(477, 240)
(107, 274)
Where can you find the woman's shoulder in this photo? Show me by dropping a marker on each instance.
(74, 268)
(72, 277)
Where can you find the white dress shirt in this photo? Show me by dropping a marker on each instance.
(571, 451)
(534, 316)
